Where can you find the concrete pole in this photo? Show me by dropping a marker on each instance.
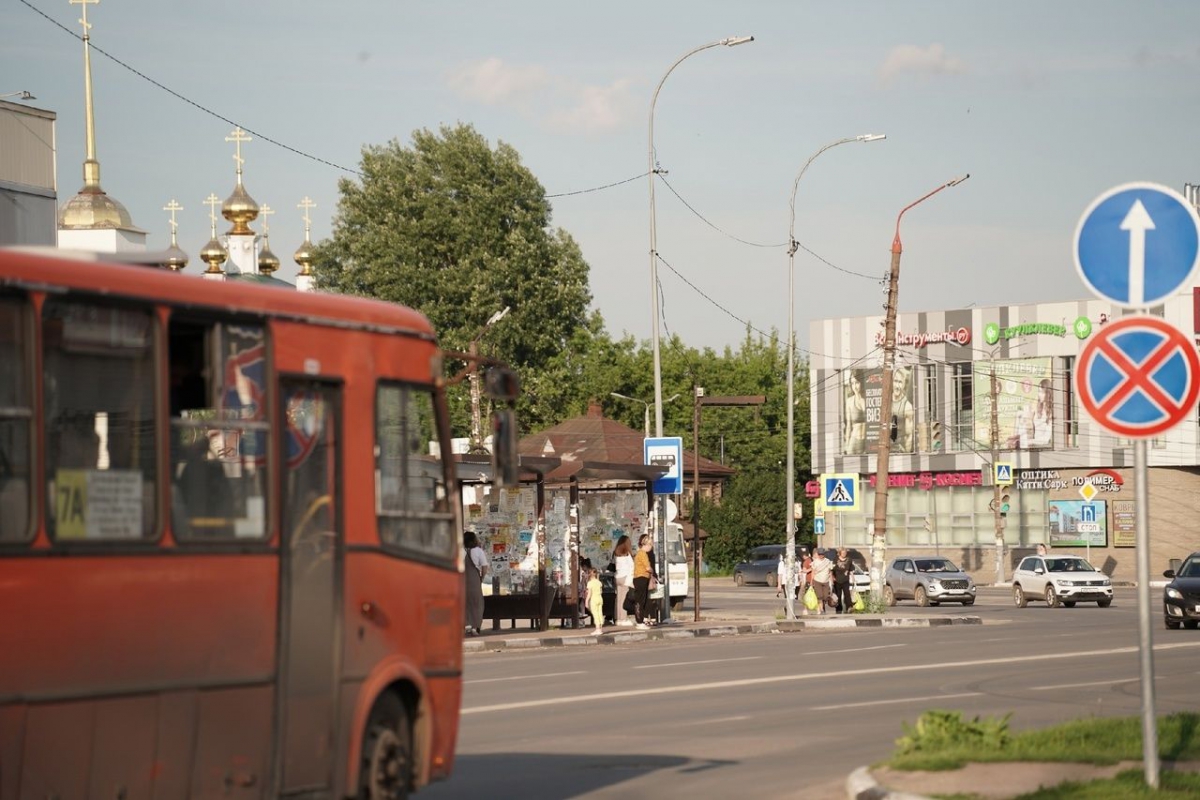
(879, 540)
(997, 512)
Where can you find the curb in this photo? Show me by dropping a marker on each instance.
(580, 638)
(861, 785)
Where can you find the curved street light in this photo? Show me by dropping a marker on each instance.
(731, 41)
(646, 403)
(793, 245)
(885, 403)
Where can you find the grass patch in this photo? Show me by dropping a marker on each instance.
(1128, 785)
(942, 740)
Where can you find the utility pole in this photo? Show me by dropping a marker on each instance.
(476, 443)
(997, 511)
(700, 400)
(879, 539)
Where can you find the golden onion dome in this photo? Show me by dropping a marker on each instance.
(268, 262)
(240, 209)
(176, 259)
(214, 255)
(304, 257)
(92, 209)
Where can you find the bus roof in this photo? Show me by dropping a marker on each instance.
(46, 268)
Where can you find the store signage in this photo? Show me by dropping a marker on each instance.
(931, 480)
(992, 332)
(958, 336)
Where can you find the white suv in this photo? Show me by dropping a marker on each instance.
(1060, 580)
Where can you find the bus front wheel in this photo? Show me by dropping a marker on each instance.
(387, 754)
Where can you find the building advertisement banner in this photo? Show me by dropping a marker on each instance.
(1024, 403)
(1065, 493)
(1078, 523)
(862, 392)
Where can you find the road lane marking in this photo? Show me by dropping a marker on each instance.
(690, 663)
(528, 677)
(850, 673)
(725, 719)
(899, 700)
(852, 650)
(1074, 685)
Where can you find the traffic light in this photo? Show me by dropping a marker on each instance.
(895, 431)
(1004, 505)
(935, 435)
(506, 462)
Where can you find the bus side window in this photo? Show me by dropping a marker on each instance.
(218, 429)
(101, 465)
(412, 505)
(16, 419)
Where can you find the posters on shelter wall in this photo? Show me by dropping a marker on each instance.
(505, 520)
(1024, 403)
(862, 401)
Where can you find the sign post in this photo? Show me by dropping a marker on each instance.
(665, 451)
(1136, 245)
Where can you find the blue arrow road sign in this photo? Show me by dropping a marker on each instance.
(1087, 512)
(666, 451)
(1137, 244)
(818, 526)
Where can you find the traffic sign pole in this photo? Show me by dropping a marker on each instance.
(1141, 494)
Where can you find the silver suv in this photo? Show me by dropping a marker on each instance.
(1064, 580)
(928, 581)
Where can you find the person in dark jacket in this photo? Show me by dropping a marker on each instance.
(843, 574)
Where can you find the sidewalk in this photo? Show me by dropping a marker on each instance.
(521, 639)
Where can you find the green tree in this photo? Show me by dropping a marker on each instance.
(458, 230)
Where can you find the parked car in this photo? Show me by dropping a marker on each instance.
(761, 565)
(861, 582)
(1181, 597)
(1060, 580)
(927, 581)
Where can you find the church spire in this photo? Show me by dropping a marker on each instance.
(213, 253)
(305, 280)
(176, 258)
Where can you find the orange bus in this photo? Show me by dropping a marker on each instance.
(230, 558)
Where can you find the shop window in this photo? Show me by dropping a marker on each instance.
(1070, 404)
(16, 422)
(963, 416)
(99, 379)
(412, 504)
(219, 430)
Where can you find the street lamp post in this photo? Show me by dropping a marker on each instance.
(646, 403)
(659, 510)
(731, 41)
(793, 245)
(476, 443)
(885, 405)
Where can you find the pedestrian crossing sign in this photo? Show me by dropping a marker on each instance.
(840, 491)
(1003, 474)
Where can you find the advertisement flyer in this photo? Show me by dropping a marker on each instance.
(862, 393)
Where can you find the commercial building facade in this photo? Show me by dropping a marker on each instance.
(940, 490)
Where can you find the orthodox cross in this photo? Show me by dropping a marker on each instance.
(212, 201)
(83, 21)
(265, 212)
(237, 137)
(306, 204)
(172, 207)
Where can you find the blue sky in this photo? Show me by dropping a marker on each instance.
(1046, 105)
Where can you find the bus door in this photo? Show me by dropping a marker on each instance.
(312, 557)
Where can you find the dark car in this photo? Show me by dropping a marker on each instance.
(762, 564)
(1181, 597)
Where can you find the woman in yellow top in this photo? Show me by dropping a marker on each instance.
(642, 573)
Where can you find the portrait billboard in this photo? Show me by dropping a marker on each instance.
(1024, 403)
(862, 402)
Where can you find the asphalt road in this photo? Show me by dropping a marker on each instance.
(788, 715)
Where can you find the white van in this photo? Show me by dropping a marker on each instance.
(678, 570)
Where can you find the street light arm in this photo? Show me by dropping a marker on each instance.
(866, 137)
(896, 241)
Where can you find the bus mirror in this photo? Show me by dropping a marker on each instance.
(502, 384)
(506, 466)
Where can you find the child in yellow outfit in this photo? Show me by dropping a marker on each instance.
(595, 601)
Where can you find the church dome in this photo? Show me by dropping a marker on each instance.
(240, 209)
(92, 209)
(268, 262)
(214, 255)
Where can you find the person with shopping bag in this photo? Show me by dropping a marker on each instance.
(822, 574)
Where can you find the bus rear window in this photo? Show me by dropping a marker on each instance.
(219, 427)
(16, 418)
(100, 426)
(412, 504)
